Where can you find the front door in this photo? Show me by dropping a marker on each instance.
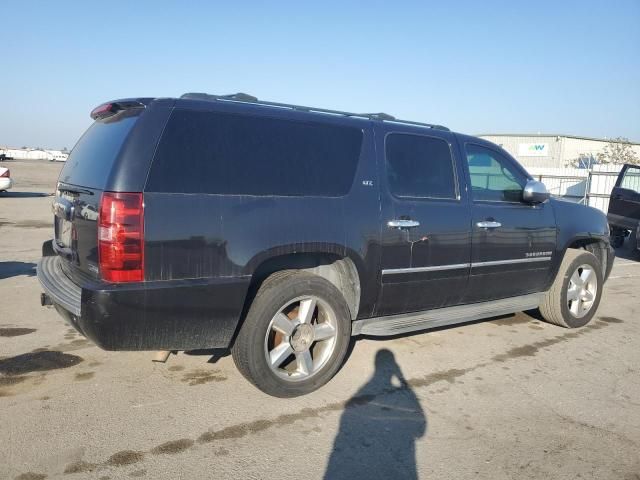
(426, 221)
(513, 242)
(624, 204)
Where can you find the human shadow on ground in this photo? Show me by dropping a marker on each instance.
(379, 427)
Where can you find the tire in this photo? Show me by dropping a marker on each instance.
(555, 306)
(272, 354)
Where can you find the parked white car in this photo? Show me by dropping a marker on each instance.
(5, 179)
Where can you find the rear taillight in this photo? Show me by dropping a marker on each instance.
(121, 237)
(6, 174)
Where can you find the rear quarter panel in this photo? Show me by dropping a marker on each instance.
(202, 236)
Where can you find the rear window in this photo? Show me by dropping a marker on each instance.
(419, 167)
(90, 161)
(209, 152)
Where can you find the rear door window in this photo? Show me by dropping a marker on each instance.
(91, 160)
(419, 167)
(220, 153)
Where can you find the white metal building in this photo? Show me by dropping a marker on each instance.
(34, 154)
(550, 150)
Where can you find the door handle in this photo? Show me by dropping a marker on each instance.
(488, 224)
(402, 224)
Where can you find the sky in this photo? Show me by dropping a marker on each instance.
(570, 67)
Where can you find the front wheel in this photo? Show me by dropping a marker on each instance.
(574, 297)
(295, 335)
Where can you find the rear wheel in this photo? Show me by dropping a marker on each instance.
(295, 335)
(574, 297)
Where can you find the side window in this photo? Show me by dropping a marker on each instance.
(493, 176)
(419, 166)
(221, 153)
(631, 179)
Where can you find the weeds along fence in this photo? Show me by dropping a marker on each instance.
(587, 186)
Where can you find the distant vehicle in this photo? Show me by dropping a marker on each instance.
(5, 179)
(57, 156)
(4, 156)
(624, 207)
(280, 231)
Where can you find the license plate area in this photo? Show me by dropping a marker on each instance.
(64, 212)
(63, 232)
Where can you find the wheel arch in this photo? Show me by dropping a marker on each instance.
(593, 244)
(339, 270)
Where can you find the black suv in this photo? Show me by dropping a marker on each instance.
(281, 231)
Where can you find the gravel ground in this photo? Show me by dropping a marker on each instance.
(501, 399)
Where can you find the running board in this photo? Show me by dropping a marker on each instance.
(410, 322)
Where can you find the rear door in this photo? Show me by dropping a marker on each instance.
(513, 242)
(624, 203)
(425, 234)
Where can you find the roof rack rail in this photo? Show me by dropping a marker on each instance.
(246, 98)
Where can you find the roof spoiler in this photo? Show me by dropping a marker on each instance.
(111, 108)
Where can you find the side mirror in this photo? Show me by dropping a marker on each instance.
(535, 192)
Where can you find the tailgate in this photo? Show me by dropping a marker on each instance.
(79, 191)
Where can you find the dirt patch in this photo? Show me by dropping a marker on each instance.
(125, 457)
(80, 377)
(80, 467)
(176, 368)
(31, 476)
(138, 473)
(198, 377)
(610, 320)
(10, 381)
(77, 344)
(15, 332)
(37, 362)
(175, 446)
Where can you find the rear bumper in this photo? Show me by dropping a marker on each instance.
(168, 315)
